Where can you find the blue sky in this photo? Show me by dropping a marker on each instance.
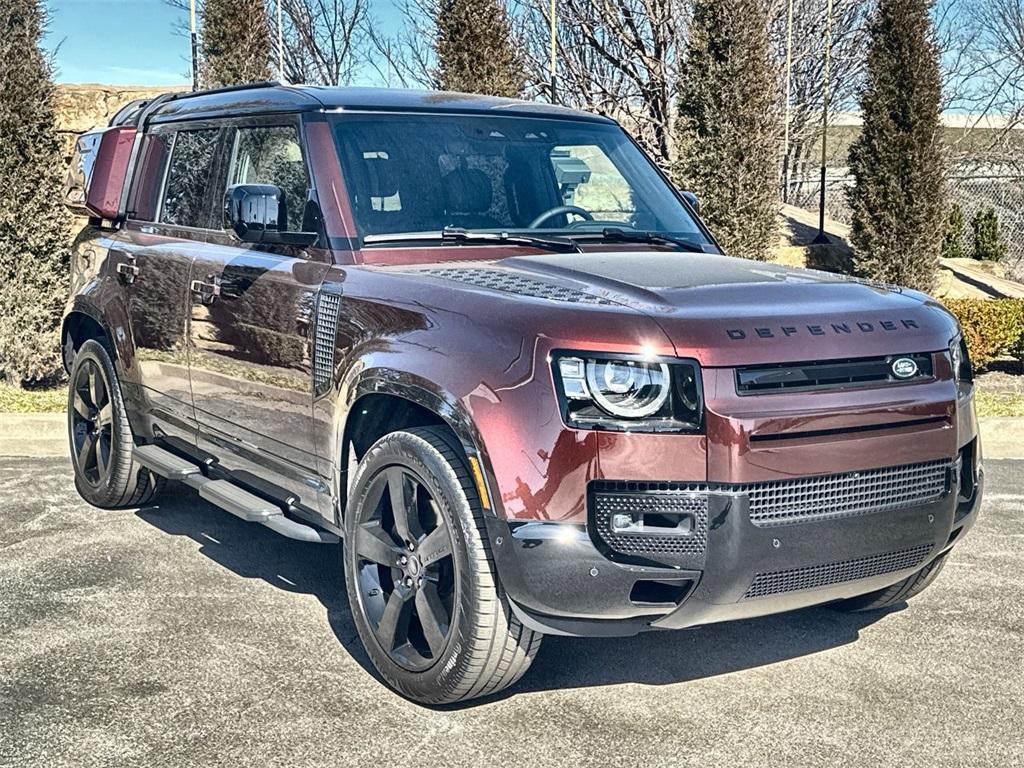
(129, 42)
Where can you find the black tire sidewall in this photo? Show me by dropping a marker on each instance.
(107, 492)
(439, 682)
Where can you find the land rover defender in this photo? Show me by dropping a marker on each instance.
(486, 349)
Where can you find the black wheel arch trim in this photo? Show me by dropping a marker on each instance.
(429, 395)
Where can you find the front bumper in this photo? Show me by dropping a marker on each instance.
(561, 579)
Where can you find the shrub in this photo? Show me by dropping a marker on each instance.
(988, 243)
(992, 327)
(727, 131)
(34, 226)
(953, 236)
(897, 202)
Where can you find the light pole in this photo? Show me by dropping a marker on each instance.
(195, 44)
(822, 238)
(789, 98)
(280, 43)
(554, 51)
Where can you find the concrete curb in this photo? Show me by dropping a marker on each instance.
(33, 434)
(45, 434)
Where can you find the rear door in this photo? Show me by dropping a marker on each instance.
(251, 316)
(167, 227)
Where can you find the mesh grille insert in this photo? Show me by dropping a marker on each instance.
(845, 495)
(815, 576)
(511, 282)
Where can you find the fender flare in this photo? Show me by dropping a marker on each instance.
(434, 398)
(81, 305)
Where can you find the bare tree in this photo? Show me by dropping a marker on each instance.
(326, 42)
(983, 67)
(615, 57)
(806, 97)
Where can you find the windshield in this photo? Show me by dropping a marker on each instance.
(424, 173)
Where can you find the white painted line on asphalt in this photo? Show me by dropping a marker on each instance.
(1004, 497)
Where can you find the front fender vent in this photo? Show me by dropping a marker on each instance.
(328, 306)
(512, 282)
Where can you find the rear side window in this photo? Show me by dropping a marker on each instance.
(186, 193)
(145, 198)
(272, 155)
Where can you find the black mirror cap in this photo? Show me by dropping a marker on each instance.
(256, 213)
(693, 200)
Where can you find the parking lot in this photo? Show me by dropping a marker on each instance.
(179, 635)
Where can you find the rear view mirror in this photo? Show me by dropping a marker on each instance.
(692, 199)
(257, 213)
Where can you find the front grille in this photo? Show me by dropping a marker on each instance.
(669, 500)
(812, 577)
(780, 502)
(327, 308)
(828, 374)
(511, 282)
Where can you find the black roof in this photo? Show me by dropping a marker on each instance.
(267, 98)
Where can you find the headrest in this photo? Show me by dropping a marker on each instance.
(467, 190)
(383, 181)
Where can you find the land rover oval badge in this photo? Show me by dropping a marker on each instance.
(903, 368)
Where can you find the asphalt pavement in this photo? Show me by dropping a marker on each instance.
(178, 635)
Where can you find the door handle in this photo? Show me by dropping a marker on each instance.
(128, 270)
(207, 292)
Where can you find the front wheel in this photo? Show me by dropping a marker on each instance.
(106, 474)
(425, 598)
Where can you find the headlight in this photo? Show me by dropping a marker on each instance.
(622, 393)
(960, 360)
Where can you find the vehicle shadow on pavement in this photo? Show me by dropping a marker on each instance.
(653, 658)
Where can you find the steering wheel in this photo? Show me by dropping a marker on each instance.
(558, 209)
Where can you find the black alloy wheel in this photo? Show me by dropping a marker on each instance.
(92, 421)
(100, 435)
(405, 569)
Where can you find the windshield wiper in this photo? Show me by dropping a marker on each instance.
(470, 237)
(618, 235)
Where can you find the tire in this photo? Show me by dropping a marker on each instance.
(432, 616)
(100, 436)
(911, 586)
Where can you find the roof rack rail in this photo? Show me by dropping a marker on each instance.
(226, 89)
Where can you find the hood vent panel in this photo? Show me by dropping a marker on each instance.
(513, 282)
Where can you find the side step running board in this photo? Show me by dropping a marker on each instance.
(228, 496)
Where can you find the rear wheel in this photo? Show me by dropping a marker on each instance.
(913, 585)
(101, 439)
(424, 594)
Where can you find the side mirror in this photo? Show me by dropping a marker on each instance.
(257, 213)
(691, 198)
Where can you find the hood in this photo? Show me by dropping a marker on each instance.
(726, 311)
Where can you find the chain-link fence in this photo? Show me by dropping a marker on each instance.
(974, 192)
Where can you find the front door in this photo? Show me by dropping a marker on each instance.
(251, 316)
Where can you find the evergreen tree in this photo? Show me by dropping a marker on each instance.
(953, 235)
(475, 52)
(898, 201)
(235, 43)
(34, 225)
(988, 243)
(727, 131)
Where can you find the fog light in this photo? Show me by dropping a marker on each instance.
(623, 523)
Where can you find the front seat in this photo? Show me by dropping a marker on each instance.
(467, 199)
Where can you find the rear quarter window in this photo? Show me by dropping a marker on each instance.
(186, 194)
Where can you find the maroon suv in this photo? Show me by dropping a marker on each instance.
(490, 347)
